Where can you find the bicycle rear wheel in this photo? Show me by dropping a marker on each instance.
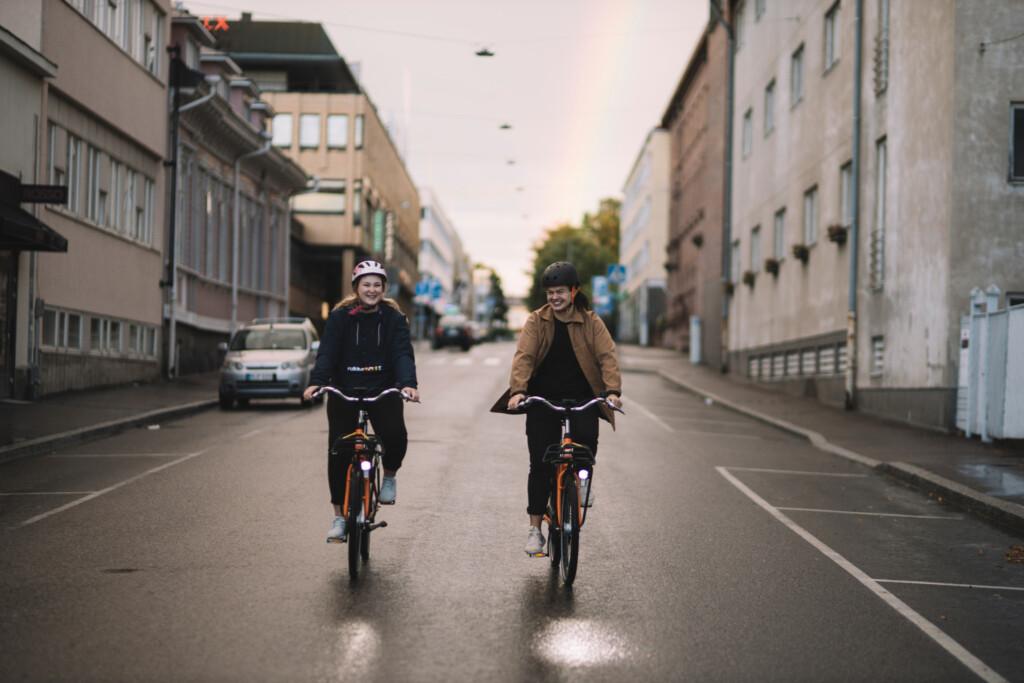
(353, 523)
(569, 533)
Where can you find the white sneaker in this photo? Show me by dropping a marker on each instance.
(337, 532)
(388, 490)
(585, 500)
(535, 542)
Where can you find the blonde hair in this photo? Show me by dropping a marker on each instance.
(353, 298)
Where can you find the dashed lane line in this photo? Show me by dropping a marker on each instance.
(870, 514)
(943, 584)
(799, 472)
(958, 651)
(114, 487)
(646, 411)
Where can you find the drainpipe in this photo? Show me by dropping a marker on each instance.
(235, 230)
(716, 12)
(851, 313)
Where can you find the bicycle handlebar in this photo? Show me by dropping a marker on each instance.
(574, 409)
(361, 399)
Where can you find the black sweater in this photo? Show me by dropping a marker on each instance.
(366, 352)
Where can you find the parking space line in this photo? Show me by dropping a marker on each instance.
(870, 514)
(646, 411)
(800, 472)
(45, 493)
(114, 487)
(953, 585)
(978, 667)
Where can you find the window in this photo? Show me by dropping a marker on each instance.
(74, 158)
(796, 77)
(779, 235)
(882, 48)
(1017, 142)
(357, 202)
(832, 36)
(337, 131)
(877, 255)
(327, 198)
(150, 341)
(740, 29)
(360, 120)
(734, 263)
(748, 131)
(114, 335)
(846, 194)
(755, 249)
(309, 131)
(282, 130)
(877, 355)
(134, 339)
(96, 334)
(769, 107)
(92, 182)
(147, 211)
(811, 216)
(62, 330)
(128, 203)
(116, 175)
(759, 8)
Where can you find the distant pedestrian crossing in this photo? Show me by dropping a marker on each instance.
(462, 361)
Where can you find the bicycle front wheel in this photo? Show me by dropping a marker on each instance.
(554, 545)
(569, 532)
(353, 522)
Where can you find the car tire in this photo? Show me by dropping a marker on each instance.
(226, 402)
(243, 402)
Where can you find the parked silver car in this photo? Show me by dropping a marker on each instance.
(268, 358)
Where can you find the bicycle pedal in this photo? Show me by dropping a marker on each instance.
(537, 554)
(337, 540)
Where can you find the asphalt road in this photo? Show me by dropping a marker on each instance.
(719, 549)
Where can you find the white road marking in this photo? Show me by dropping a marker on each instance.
(252, 433)
(115, 455)
(463, 361)
(953, 585)
(978, 667)
(492, 361)
(801, 472)
(715, 422)
(646, 411)
(698, 432)
(46, 493)
(437, 360)
(114, 487)
(870, 514)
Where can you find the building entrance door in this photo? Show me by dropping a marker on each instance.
(8, 315)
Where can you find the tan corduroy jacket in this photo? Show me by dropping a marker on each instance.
(591, 342)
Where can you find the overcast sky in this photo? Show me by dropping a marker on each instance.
(580, 81)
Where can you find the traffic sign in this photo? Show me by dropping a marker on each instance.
(602, 295)
(617, 273)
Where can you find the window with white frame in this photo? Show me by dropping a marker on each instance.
(779, 234)
(360, 123)
(811, 216)
(769, 107)
(748, 132)
(877, 355)
(282, 130)
(327, 198)
(831, 36)
(1017, 142)
(61, 329)
(92, 182)
(846, 194)
(116, 178)
(882, 48)
(796, 76)
(309, 131)
(74, 161)
(337, 131)
(734, 262)
(755, 249)
(759, 9)
(877, 255)
(740, 29)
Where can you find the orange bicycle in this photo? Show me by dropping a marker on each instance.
(572, 463)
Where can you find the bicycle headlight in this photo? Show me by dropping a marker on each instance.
(584, 474)
(365, 465)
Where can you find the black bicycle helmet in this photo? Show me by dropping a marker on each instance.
(560, 274)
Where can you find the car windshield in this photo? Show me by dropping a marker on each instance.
(453, 320)
(249, 340)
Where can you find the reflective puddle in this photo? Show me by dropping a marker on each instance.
(1004, 481)
(580, 642)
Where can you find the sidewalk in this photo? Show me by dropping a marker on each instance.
(29, 428)
(984, 478)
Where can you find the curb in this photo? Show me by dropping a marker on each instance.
(998, 511)
(45, 444)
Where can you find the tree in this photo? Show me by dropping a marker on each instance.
(499, 312)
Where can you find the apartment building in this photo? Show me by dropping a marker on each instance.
(645, 220)
(361, 201)
(440, 285)
(927, 206)
(231, 235)
(696, 121)
(101, 132)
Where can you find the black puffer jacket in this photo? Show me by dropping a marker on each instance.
(366, 352)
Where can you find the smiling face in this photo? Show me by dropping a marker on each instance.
(370, 290)
(560, 298)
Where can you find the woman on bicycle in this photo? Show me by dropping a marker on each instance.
(564, 352)
(365, 350)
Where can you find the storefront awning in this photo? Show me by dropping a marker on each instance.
(21, 231)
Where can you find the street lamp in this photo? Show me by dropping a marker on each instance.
(484, 52)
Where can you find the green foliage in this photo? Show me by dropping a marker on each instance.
(591, 246)
(500, 311)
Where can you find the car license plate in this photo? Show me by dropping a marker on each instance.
(260, 377)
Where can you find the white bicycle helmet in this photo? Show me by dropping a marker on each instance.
(368, 268)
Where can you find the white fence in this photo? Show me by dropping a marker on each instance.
(990, 392)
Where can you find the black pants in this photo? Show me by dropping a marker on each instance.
(388, 420)
(544, 428)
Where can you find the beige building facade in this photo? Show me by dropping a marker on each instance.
(929, 196)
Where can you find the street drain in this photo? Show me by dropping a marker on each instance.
(121, 570)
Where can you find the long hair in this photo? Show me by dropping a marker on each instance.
(354, 299)
(581, 301)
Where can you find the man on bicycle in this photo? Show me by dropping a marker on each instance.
(564, 352)
(365, 349)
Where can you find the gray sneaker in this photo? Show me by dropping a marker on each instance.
(535, 542)
(388, 490)
(337, 532)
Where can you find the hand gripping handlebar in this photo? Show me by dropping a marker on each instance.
(530, 400)
(361, 399)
